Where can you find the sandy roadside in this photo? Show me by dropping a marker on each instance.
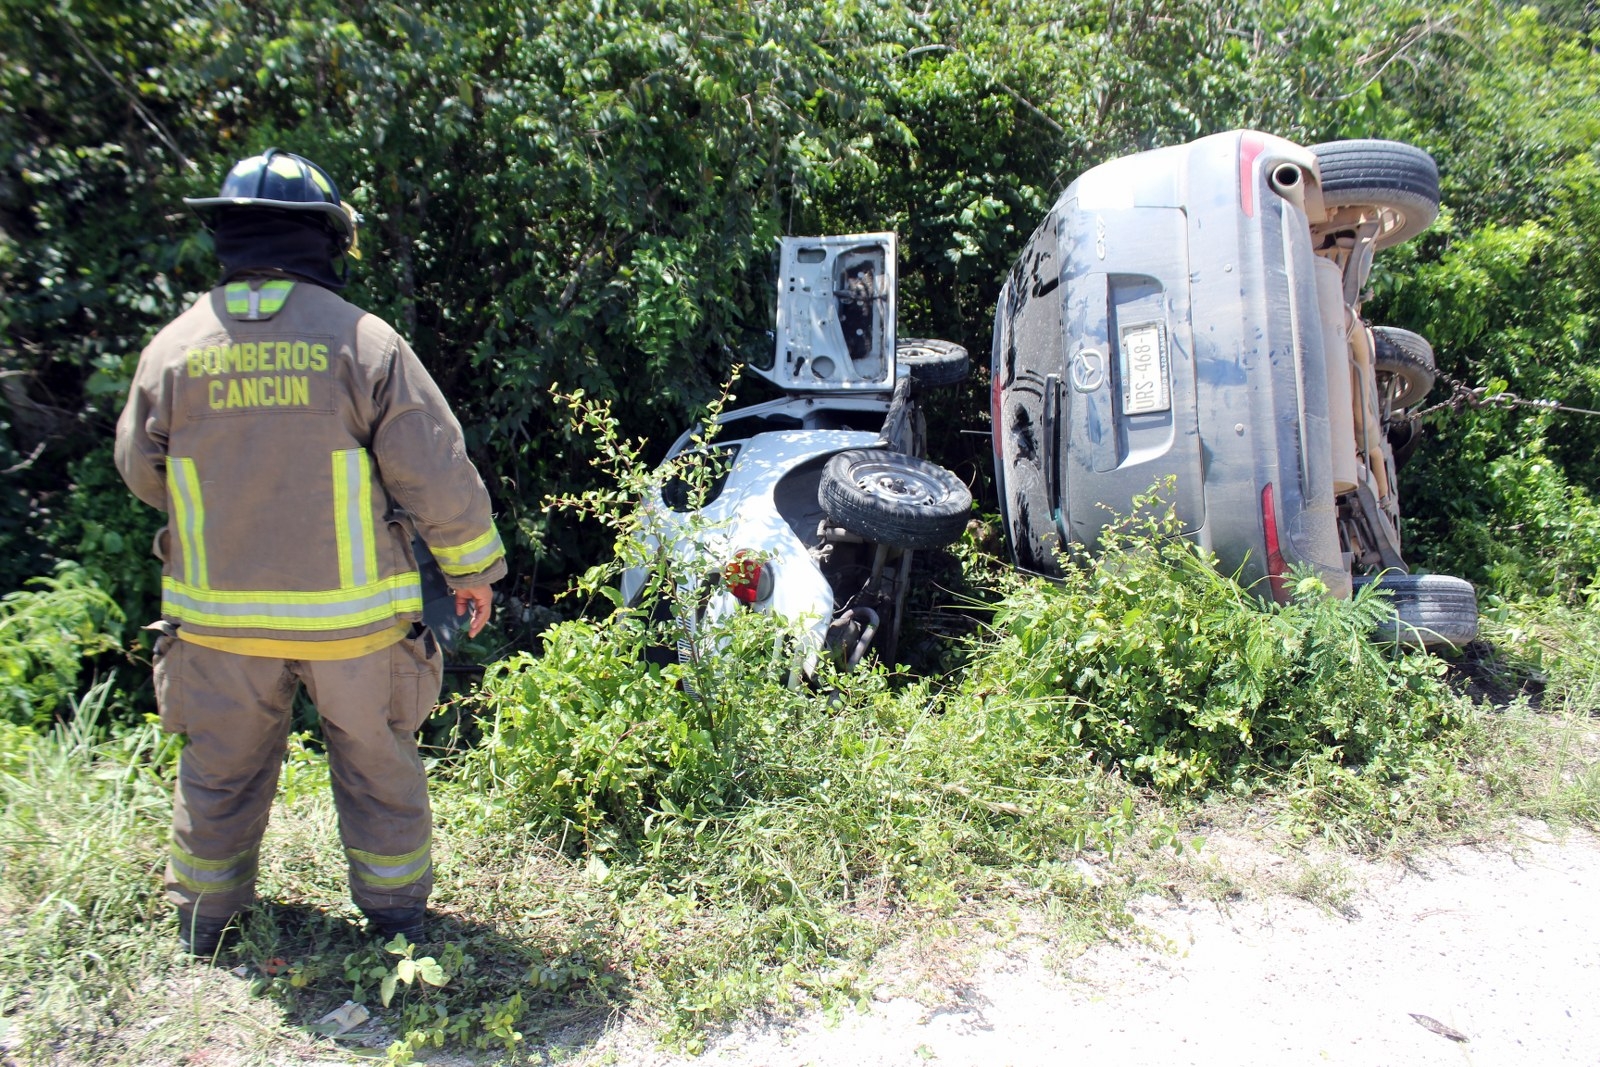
(1471, 955)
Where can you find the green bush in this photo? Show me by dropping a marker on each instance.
(749, 831)
(1172, 674)
(590, 733)
(45, 634)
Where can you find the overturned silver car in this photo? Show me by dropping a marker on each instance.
(1192, 316)
(813, 506)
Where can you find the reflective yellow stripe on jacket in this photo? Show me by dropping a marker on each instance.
(352, 518)
(310, 650)
(189, 516)
(474, 556)
(363, 597)
(261, 609)
(254, 304)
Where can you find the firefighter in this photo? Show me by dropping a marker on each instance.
(297, 445)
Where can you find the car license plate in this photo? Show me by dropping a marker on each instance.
(1144, 371)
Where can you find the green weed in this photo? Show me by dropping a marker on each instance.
(46, 633)
(1173, 674)
(82, 822)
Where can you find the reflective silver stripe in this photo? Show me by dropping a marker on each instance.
(475, 560)
(353, 496)
(256, 303)
(213, 876)
(183, 483)
(388, 872)
(330, 610)
(274, 295)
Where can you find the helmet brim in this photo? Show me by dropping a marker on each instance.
(210, 207)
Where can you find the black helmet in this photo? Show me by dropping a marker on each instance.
(285, 182)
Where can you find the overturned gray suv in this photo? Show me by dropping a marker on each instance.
(1193, 313)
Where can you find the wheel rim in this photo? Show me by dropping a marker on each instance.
(1403, 386)
(889, 481)
(1397, 221)
(1394, 388)
(1391, 219)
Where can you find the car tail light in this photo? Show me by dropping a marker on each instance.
(1251, 145)
(1275, 564)
(748, 578)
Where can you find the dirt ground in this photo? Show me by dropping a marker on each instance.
(1479, 955)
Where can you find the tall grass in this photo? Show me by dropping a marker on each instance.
(83, 824)
(698, 840)
(1538, 753)
(747, 828)
(772, 826)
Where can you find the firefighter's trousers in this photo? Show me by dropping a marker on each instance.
(236, 709)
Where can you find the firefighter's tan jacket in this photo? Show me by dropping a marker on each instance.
(290, 436)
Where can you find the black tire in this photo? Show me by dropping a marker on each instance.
(1432, 611)
(894, 499)
(1404, 364)
(1404, 437)
(1399, 180)
(1030, 527)
(932, 363)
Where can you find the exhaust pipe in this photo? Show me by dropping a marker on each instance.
(1288, 181)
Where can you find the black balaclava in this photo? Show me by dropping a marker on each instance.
(281, 241)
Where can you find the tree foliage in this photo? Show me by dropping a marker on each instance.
(1508, 289)
(585, 194)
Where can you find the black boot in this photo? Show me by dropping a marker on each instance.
(411, 920)
(201, 935)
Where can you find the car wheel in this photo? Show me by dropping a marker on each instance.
(1430, 610)
(894, 499)
(1404, 365)
(1398, 181)
(1404, 437)
(932, 362)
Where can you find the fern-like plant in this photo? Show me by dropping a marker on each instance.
(46, 631)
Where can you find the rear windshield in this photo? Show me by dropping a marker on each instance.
(696, 478)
